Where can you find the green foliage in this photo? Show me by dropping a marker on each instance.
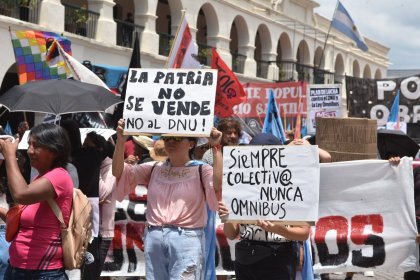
(80, 15)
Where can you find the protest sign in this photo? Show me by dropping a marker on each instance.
(170, 101)
(370, 98)
(323, 101)
(366, 217)
(288, 95)
(276, 183)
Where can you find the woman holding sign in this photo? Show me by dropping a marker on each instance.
(265, 250)
(176, 214)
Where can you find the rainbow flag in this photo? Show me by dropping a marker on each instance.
(30, 47)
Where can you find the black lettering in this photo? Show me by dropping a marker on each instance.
(159, 76)
(171, 108)
(139, 101)
(234, 159)
(190, 78)
(158, 107)
(129, 104)
(170, 78)
(133, 78)
(165, 93)
(181, 76)
(208, 79)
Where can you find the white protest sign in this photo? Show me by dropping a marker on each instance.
(322, 101)
(366, 217)
(170, 101)
(277, 183)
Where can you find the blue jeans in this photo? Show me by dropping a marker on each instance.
(4, 251)
(174, 253)
(13, 273)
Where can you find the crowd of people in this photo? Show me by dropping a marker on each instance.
(183, 176)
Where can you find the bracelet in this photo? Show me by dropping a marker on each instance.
(217, 147)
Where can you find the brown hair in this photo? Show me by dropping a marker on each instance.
(225, 124)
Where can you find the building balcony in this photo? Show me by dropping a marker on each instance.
(80, 20)
(13, 8)
(126, 33)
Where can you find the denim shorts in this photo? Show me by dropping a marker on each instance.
(174, 253)
(4, 251)
(13, 273)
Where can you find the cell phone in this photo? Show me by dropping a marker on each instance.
(6, 137)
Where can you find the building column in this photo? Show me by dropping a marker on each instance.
(106, 29)
(145, 15)
(222, 47)
(51, 15)
(250, 63)
(273, 69)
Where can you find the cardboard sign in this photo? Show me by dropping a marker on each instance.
(276, 183)
(170, 101)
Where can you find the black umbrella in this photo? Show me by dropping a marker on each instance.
(396, 143)
(58, 97)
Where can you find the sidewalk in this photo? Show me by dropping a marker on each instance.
(378, 276)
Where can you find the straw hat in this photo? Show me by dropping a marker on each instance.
(158, 152)
(144, 142)
(202, 141)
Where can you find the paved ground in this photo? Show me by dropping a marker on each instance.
(378, 276)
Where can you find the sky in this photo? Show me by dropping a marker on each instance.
(393, 23)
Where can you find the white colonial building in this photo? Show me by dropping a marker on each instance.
(262, 40)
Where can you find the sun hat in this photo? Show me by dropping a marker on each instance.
(265, 139)
(158, 152)
(144, 142)
(202, 141)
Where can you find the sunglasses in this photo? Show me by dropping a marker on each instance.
(168, 138)
(204, 147)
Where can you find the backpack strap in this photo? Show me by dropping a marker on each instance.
(153, 167)
(57, 211)
(200, 170)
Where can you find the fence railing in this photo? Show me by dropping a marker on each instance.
(80, 20)
(204, 54)
(14, 9)
(165, 43)
(126, 33)
(322, 76)
(262, 68)
(286, 69)
(238, 62)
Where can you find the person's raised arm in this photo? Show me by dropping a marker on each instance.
(118, 158)
(22, 193)
(324, 156)
(214, 141)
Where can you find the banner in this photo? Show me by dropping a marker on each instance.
(175, 101)
(366, 221)
(323, 101)
(287, 95)
(369, 98)
(276, 183)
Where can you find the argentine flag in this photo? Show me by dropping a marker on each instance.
(343, 22)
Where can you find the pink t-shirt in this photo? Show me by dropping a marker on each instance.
(175, 195)
(38, 242)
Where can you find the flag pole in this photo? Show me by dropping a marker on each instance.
(328, 35)
(176, 35)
